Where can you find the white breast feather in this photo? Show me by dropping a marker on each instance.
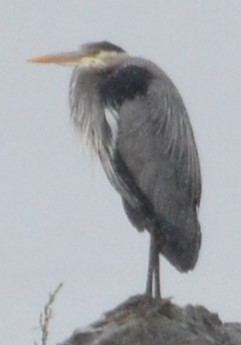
(112, 118)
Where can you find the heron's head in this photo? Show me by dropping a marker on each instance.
(99, 54)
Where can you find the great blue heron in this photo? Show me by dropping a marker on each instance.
(134, 118)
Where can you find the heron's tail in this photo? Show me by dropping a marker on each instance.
(179, 245)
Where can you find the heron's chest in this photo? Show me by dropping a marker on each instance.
(98, 127)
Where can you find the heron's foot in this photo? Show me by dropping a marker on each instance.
(158, 300)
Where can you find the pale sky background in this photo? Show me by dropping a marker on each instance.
(60, 219)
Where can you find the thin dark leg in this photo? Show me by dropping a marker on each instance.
(157, 273)
(153, 270)
(150, 268)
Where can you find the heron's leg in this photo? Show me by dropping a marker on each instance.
(150, 267)
(157, 272)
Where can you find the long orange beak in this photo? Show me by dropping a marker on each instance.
(70, 58)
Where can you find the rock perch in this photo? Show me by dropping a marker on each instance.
(141, 321)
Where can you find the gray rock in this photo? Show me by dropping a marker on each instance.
(143, 321)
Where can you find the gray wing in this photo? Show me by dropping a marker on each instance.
(156, 143)
(152, 159)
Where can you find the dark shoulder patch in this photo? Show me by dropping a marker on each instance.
(124, 83)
